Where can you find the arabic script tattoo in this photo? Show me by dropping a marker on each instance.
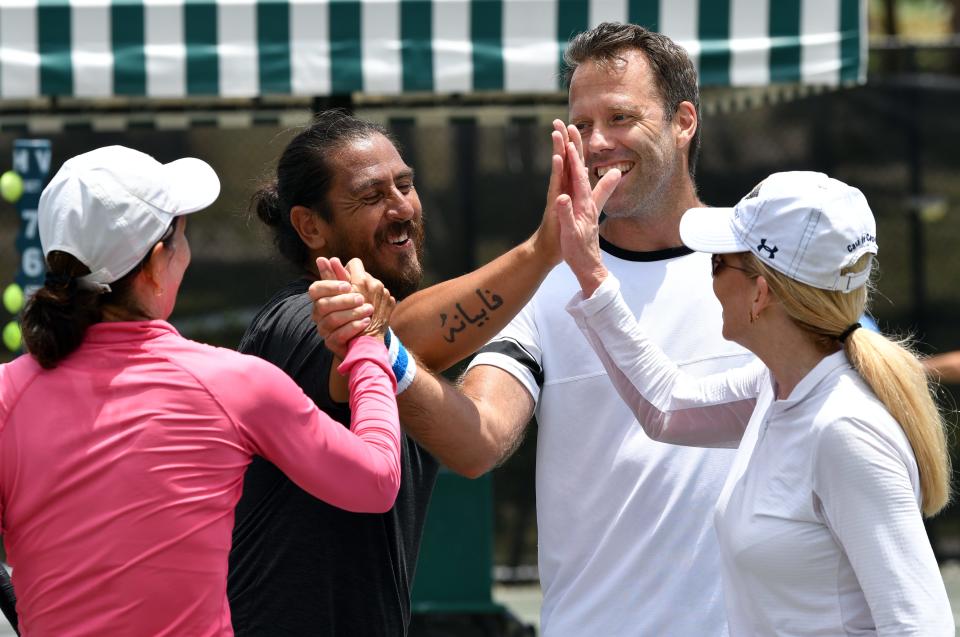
(462, 319)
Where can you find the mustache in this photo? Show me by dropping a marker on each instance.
(413, 229)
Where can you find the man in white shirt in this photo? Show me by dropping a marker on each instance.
(626, 544)
(626, 541)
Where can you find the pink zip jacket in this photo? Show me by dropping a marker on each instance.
(121, 467)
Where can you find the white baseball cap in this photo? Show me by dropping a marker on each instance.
(803, 224)
(110, 206)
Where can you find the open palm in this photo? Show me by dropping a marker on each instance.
(579, 212)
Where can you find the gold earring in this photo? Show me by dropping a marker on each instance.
(752, 317)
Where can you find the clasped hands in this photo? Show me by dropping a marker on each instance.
(348, 302)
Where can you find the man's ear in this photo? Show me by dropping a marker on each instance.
(311, 227)
(685, 124)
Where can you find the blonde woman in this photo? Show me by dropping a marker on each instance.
(841, 450)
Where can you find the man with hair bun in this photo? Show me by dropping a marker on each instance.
(299, 566)
(342, 194)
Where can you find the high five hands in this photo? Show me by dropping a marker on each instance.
(347, 301)
(578, 207)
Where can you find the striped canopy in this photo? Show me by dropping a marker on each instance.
(250, 48)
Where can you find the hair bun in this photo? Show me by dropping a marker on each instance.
(266, 202)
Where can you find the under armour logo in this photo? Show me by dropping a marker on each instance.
(770, 251)
(753, 193)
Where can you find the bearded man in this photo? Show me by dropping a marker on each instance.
(298, 565)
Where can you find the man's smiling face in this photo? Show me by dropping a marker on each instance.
(376, 214)
(620, 114)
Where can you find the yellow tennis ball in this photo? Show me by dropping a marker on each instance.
(11, 336)
(13, 298)
(11, 186)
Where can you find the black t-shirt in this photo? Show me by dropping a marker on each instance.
(300, 566)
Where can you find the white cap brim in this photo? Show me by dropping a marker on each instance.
(711, 230)
(195, 183)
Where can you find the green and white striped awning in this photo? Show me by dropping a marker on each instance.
(251, 48)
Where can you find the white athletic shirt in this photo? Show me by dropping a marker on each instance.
(626, 544)
(819, 520)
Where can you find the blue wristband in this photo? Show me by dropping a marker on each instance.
(404, 366)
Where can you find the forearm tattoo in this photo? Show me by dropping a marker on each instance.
(461, 318)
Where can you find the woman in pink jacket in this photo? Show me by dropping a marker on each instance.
(123, 445)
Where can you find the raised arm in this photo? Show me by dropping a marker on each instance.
(476, 426)
(448, 321)
(670, 405)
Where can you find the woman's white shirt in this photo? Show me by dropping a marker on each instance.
(819, 519)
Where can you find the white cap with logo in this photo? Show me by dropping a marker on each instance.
(803, 224)
(110, 206)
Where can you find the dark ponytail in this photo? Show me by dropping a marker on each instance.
(304, 174)
(58, 314)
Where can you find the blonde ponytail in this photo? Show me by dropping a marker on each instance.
(900, 381)
(890, 368)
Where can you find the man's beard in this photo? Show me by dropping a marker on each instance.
(402, 281)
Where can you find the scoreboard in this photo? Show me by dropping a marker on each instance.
(31, 166)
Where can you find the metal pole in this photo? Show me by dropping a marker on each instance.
(915, 167)
(466, 141)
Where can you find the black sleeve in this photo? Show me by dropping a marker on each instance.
(284, 334)
(8, 600)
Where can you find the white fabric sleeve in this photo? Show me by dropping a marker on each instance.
(866, 489)
(671, 406)
(516, 350)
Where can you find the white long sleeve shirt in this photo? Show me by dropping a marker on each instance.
(626, 544)
(819, 520)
